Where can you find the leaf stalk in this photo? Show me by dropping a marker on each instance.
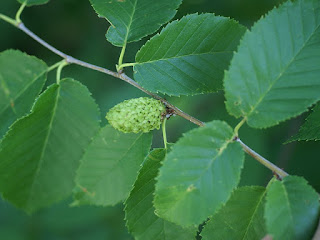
(164, 133)
(236, 129)
(127, 65)
(60, 67)
(8, 20)
(19, 12)
(123, 50)
(54, 66)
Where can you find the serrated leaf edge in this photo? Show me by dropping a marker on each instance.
(219, 207)
(276, 8)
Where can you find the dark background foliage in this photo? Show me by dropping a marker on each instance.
(73, 27)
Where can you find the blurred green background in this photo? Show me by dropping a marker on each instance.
(73, 27)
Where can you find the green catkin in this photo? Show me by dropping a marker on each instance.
(136, 115)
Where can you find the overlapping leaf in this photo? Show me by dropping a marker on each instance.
(132, 20)
(310, 130)
(141, 219)
(275, 73)
(189, 56)
(41, 152)
(292, 209)
(21, 80)
(33, 2)
(110, 166)
(198, 175)
(240, 219)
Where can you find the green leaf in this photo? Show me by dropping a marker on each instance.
(292, 209)
(241, 218)
(275, 73)
(141, 219)
(132, 20)
(189, 56)
(33, 2)
(310, 130)
(199, 174)
(110, 167)
(41, 152)
(21, 80)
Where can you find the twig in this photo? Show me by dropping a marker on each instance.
(124, 77)
(121, 76)
(279, 172)
(68, 58)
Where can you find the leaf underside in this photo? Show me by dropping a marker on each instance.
(142, 222)
(110, 166)
(33, 2)
(21, 80)
(132, 20)
(275, 73)
(189, 56)
(292, 209)
(41, 152)
(240, 219)
(198, 175)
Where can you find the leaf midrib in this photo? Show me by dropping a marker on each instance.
(254, 212)
(116, 163)
(23, 90)
(130, 23)
(136, 191)
(282, 73)
(223, 147)
(44, 145)
(288, 206)
(182, 56)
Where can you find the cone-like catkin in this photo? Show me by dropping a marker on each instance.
(136, 115)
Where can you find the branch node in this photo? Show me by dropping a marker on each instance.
(235, 138)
